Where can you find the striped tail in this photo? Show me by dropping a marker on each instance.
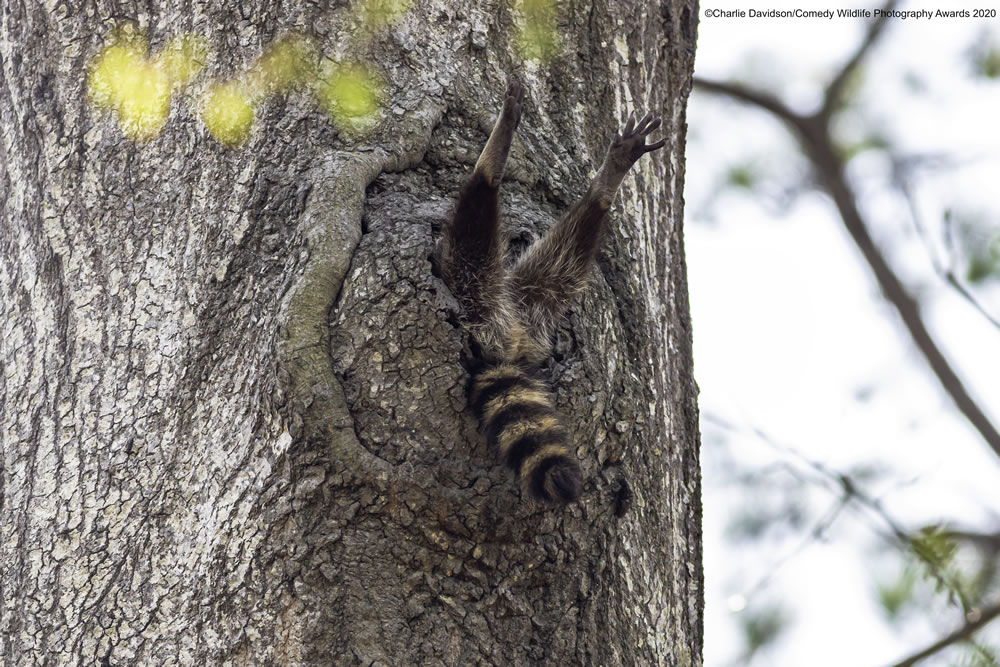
(517, 414)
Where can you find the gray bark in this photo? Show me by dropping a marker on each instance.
(232, 400)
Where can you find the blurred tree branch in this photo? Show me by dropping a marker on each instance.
(987, 542)
(834, 91)
(975, 621)
(816, 139)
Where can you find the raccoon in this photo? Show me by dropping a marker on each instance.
(511, 313)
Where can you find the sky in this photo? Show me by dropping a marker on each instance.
(792, 337)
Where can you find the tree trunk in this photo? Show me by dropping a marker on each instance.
(233, 397)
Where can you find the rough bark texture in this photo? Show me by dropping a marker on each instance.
(232, 405)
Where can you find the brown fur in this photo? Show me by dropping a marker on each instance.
(513, 314)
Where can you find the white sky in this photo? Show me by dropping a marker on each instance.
(789, 324)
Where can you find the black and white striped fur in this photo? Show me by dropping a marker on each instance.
(512, 313)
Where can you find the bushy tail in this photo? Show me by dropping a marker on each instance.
(517, 413)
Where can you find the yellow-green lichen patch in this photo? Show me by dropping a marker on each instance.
(183, 58)
(350, 93)
(285, 65)
(228, 113)
(144, 108)
(112, 72)
(376, 14)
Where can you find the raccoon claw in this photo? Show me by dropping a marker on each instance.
(513, 101)
(630, 144)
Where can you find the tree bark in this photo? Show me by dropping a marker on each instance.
(232, 406)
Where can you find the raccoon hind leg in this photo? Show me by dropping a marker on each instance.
(473, 247)
(557, 266)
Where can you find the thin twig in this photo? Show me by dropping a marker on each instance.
(850, 490)
(975, 620)
(946, 274)
(822, 525)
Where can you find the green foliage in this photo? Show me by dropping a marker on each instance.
(984, 56)
(934, 547)
(743, 176)
(981, 267)
(761, 627)
(897, 595)
(979, 242)
(984, 262)
(985, 577)
(871, 142)
(537, 37)
(851, 92)
(988, 64)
